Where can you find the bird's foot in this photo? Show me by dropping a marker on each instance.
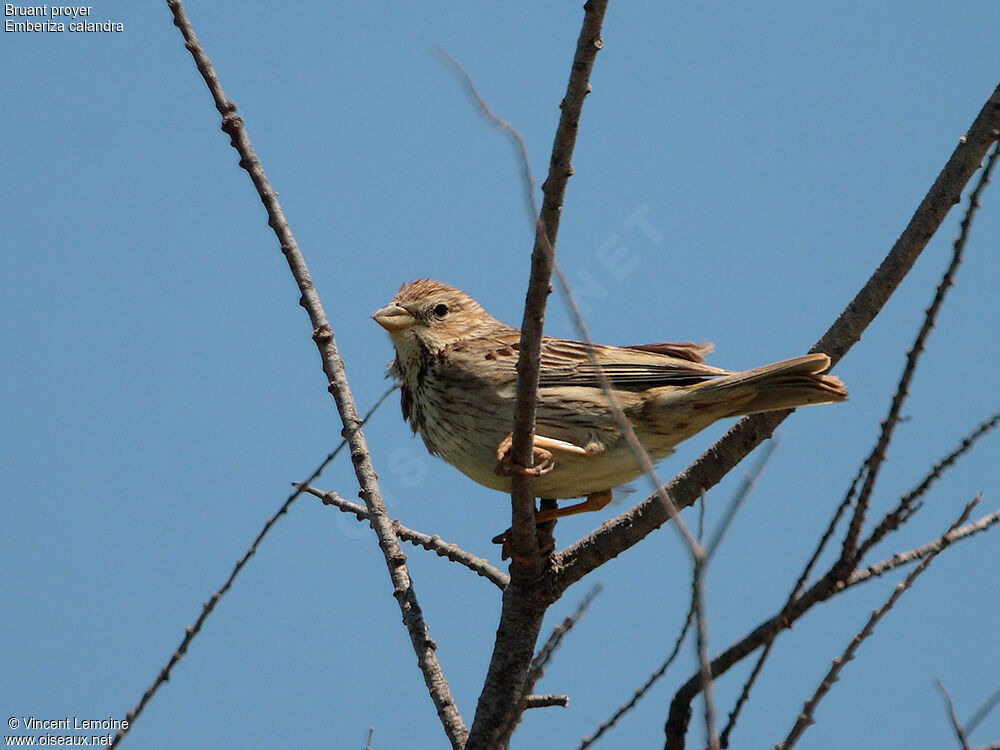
(546, 544)
(541, 458)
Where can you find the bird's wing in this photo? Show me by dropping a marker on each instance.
(567, 363)
(633, 368)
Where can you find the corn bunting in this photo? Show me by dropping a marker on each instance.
(456, 367)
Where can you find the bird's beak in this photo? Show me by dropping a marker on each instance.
(394, 317)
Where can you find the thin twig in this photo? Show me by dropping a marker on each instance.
(786, 609)
(192, 630)
(368, 742)
(430, 543)
(333, 367)
(805, 719)
(628, 431)
(850, 552)
(982, 712)
(889, 523)
(524, 538)
(560, 631)
(641, 691)
(701, 650)
(956, 726)
(919, 553)
(741, 494)
(906, 505)
(826, 587)
(544, 701)
(620, 533)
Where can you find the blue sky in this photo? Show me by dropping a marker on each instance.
(161, 390)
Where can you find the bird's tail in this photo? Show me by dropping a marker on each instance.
(782, 385)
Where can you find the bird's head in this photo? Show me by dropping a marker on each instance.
(431, 316)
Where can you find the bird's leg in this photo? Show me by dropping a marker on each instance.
(548, 515)
(594, 501)
(542, 448)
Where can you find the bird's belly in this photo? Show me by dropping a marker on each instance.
(578, 476)
(466, 434)
(572, 476)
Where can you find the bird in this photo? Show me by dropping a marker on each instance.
(455, 365)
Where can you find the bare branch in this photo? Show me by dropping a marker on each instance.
(787, 608)
(524, 602)
(641, 691)
(338, 386)
(825, 588)
(192, 630)
(949, 706)
(368, 742)
(741, 494)
(904, 558)
(617, 535)
(544, 701)
(805, 719)
(886, 526)
(430, 543)
(559, 632)
(907, 503)
(982, 712)
(850, 551)
(701, 649)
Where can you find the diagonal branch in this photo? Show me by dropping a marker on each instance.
(789, 602)
(982, 712)
(919, 553)
(430, 543)
(805, 719)
(192, 630)
(333, 367)
(850, 552)
(956, 725)
(908, 503)
(617, 535)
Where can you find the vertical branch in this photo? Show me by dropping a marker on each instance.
(589, 42)
(525, 602)
(338, 386)
(956, 725)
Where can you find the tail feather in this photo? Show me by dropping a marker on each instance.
(782, 385)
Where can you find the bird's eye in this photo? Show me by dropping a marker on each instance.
(440, 310)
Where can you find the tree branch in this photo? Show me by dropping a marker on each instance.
(430, 543)
(850, 552)
(525, 541)
(805, 719)
(338, 386)
(524, 602)
(956, 725)
(192, 630)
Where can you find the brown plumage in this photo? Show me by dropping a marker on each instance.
(456, 367)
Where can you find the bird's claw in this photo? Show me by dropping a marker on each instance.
(542, 461)
(546, 546)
